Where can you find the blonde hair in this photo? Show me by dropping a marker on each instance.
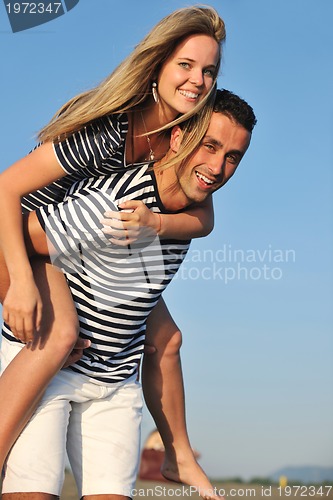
(193, 130)
(129, 85)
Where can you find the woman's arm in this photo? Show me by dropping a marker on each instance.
(22, 305)
(195, 222)
(136, 221)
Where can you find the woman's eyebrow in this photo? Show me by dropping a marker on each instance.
(193, 61)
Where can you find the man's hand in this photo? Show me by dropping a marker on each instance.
(82, 344)
(77, 352)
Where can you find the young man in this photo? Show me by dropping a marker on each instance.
(96, 402)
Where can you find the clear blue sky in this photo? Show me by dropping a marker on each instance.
(258, 349)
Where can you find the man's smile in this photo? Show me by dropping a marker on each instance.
(204, 179)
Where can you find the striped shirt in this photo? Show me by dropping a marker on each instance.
(114, 288)
(96, 150)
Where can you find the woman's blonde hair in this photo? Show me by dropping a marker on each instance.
(129, 85)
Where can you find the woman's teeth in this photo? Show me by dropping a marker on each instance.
(189, 95)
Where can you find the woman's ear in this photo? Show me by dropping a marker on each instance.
(176, 139)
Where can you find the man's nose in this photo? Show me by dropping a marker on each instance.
(217, 166)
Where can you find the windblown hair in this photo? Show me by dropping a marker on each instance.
(129, 85)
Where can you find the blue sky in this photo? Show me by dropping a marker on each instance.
(254, 300)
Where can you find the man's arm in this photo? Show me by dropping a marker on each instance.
(162, 375)
(164, 395)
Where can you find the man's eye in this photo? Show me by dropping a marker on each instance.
(233, 159)
(210, 147)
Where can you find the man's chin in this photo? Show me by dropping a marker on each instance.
(199, 198)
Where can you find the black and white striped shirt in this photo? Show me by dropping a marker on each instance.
(114, 288)
(96, 150)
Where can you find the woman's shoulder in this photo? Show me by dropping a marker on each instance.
(114, 122)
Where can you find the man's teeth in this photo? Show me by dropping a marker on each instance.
(190, 95)
(205, 179)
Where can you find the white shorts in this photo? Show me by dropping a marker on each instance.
(99, 425)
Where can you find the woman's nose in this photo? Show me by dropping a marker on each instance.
(196, 77)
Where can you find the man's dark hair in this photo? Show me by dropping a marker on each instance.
(227, 103)
(235, 108)
(222, 101)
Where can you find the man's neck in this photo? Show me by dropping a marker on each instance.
(170, 192)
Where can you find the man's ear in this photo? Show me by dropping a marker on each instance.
(176, 138)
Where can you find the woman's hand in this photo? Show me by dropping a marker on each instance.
(22, 309)
(135, 222)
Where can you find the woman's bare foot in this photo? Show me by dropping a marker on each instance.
(189, 472)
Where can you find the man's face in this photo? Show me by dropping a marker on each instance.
(216, 159)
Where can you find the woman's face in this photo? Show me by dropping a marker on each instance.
(187, 75)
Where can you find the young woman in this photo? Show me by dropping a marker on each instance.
(124, 121)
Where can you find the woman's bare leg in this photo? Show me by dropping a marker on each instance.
(27, 376)
(163, 389)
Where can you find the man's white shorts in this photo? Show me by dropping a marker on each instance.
(99, 425)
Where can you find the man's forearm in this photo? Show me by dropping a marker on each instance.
(164, 395)
(162, 378)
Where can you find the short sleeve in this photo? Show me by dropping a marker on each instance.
(91, 146)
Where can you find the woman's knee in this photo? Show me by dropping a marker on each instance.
(65, 334)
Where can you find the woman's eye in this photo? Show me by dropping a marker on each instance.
(209, 72)
(184, 65)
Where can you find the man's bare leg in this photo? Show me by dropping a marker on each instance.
(163, 389)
